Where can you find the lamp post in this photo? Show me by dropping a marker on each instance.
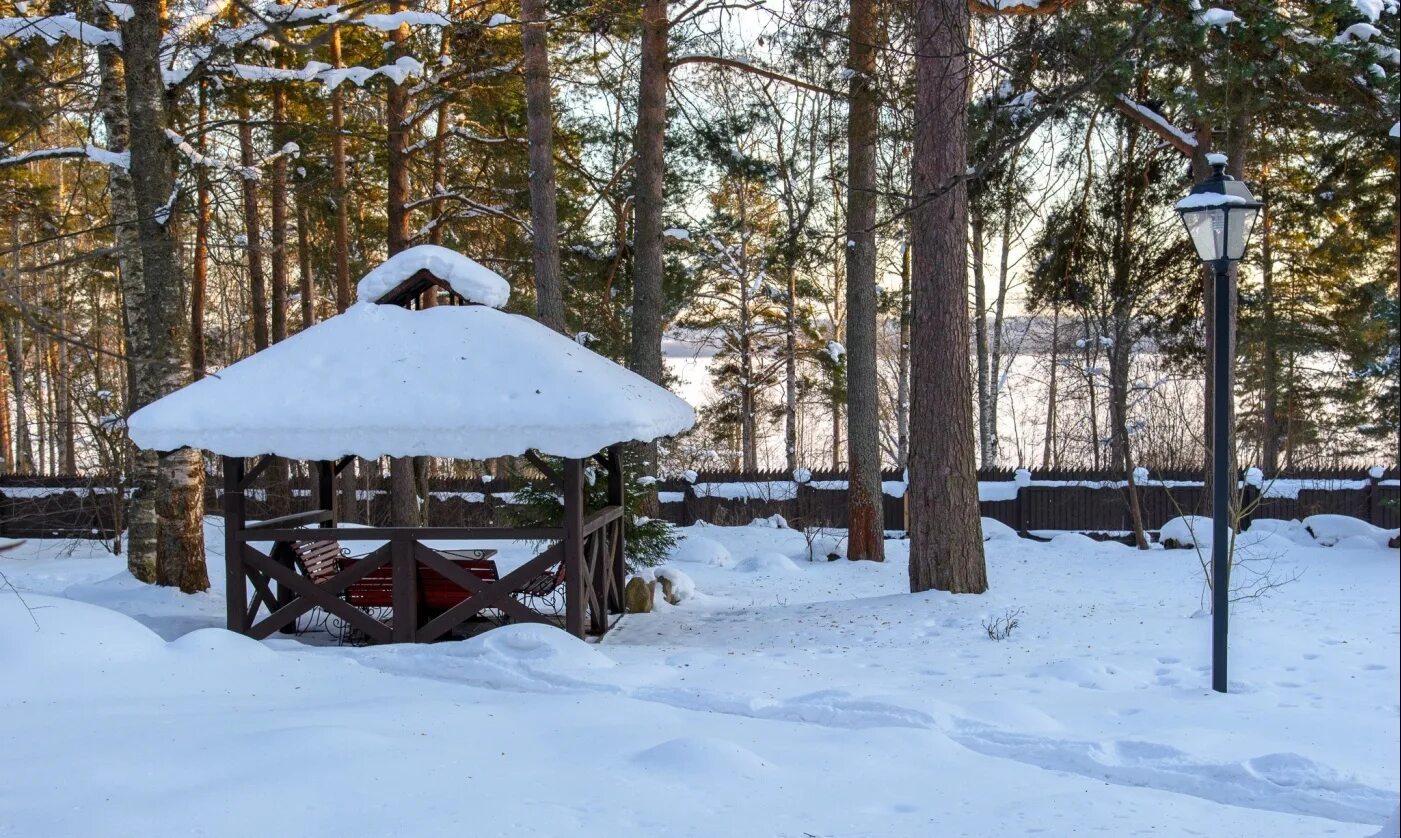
(1219, 214)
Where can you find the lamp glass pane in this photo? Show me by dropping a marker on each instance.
(1240, 222)
(1206, 227)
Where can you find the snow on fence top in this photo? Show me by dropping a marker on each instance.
(467, 382)
(469, 280)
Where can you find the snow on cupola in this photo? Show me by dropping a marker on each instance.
(410, 272)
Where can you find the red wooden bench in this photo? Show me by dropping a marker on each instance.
(320, 560)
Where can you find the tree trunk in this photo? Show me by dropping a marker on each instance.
(946, 545)
(200, 279)
(253, 229)
(1048, 456)
(647, 206)
(1119, 357)
(180, 474)
(405, 509)
(540, 127)
(306, 285)
(279, 215)
(1269, 420)
(142, 526)
(902, 381)
(866, 528)
(980, 337)
(341, 195)
(14, 354)
(645, 356)
(790, 372)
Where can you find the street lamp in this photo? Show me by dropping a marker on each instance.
(1219, 214)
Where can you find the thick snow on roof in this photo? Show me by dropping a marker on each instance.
(467, 382)
(471, 281)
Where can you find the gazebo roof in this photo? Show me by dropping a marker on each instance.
(466, 382)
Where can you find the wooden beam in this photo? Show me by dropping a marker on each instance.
(252, 474)
(545, 468)
(314, 516)
(576, 582)
(412, 533)
(235, 579)
(494, 595)
(617, 496)
(405, 592)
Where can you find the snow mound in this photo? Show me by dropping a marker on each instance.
(471, 281)
(1186, 531)
(1292, 530)
(995, 530)
(702, 757)
(1392, 827)
(1073, 541)
(533, 646)
(774, 521)
(1330, 530)
(767, 563)
(697, 549)
(220, 642)
(53, 633)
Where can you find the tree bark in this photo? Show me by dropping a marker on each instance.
(342, 197)
(180, 474)
(1269, 342)
(866, 527)
(540, 127)
(946, 545)
(647, 297)
(1048, 456)
(14, 355)
(405, 509)
(142, 525)
(980, 335)
(279, 215)
(253, 230)
(645, 355)
(902, 381)
(306, 285)
(790, 371)
(200, 279)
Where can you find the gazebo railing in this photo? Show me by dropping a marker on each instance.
(589, 549)
(592, 579)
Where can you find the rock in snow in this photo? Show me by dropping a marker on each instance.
(1186, 531)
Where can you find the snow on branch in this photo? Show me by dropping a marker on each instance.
(1009, 8)
(198, 158)
(54, 28)
(121, 159)
(390, 23)
(1179, 139)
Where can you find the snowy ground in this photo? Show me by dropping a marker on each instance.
(786, 698)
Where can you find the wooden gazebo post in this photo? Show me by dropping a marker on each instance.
(575, 589)
(235, 578)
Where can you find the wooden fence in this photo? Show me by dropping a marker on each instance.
(87, 507)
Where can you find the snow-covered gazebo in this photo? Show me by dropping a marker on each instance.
(391, 378)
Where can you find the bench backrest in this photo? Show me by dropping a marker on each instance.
(320, 560)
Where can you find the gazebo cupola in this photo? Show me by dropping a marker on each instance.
(381, 379)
